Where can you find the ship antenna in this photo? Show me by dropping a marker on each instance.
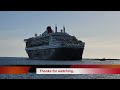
(63, 28)
(55, 28)
(35, 34)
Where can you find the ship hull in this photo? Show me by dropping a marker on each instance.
(56, 54)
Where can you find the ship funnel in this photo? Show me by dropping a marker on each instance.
(63, 28)
(49, 30)
(55, 28)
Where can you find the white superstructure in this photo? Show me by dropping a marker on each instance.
(51, 39)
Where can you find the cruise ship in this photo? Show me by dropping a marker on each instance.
(54, 45)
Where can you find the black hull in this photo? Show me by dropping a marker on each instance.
(56, 54)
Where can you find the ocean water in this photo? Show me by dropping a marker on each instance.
(26, 61)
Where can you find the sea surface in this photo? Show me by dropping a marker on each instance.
(26, 61)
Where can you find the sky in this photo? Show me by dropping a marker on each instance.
(100, 30)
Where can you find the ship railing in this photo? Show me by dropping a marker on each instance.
(72, 45)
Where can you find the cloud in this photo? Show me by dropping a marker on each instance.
(101, 47)
(12, 47)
